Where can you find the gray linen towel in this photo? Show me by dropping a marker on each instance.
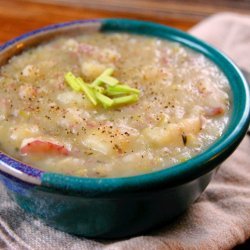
(220, 219)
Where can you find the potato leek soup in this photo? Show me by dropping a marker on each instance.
(110, 105)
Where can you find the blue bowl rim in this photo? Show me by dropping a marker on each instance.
(175, 175)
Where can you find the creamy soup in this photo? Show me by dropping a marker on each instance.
(182, 106)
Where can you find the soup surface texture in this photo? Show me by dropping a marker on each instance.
(183, 106)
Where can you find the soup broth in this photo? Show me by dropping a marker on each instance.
(182, 108)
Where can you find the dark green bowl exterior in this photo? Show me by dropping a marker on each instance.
(111, 216)
(120, 207)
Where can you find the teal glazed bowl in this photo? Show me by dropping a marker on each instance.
(120, 207)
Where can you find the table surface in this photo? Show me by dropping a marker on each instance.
(19, 16)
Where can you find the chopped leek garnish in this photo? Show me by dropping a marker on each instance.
(24, 114)
(103, 89)
(98, 80)
(89, 92)
(109, 80)
(122, 89)
(71, 80)
(99, 89)
(125, 99)
(104, 100)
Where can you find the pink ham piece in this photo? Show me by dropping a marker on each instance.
(214, 111)
(44, 147)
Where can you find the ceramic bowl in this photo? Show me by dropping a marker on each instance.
(120, 207)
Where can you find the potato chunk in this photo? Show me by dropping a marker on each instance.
(172, 134)
(92, 69)
(98, 143)
(162, 136)
(109, 140)
(4, 108)
(191, 125)
(70, 98)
